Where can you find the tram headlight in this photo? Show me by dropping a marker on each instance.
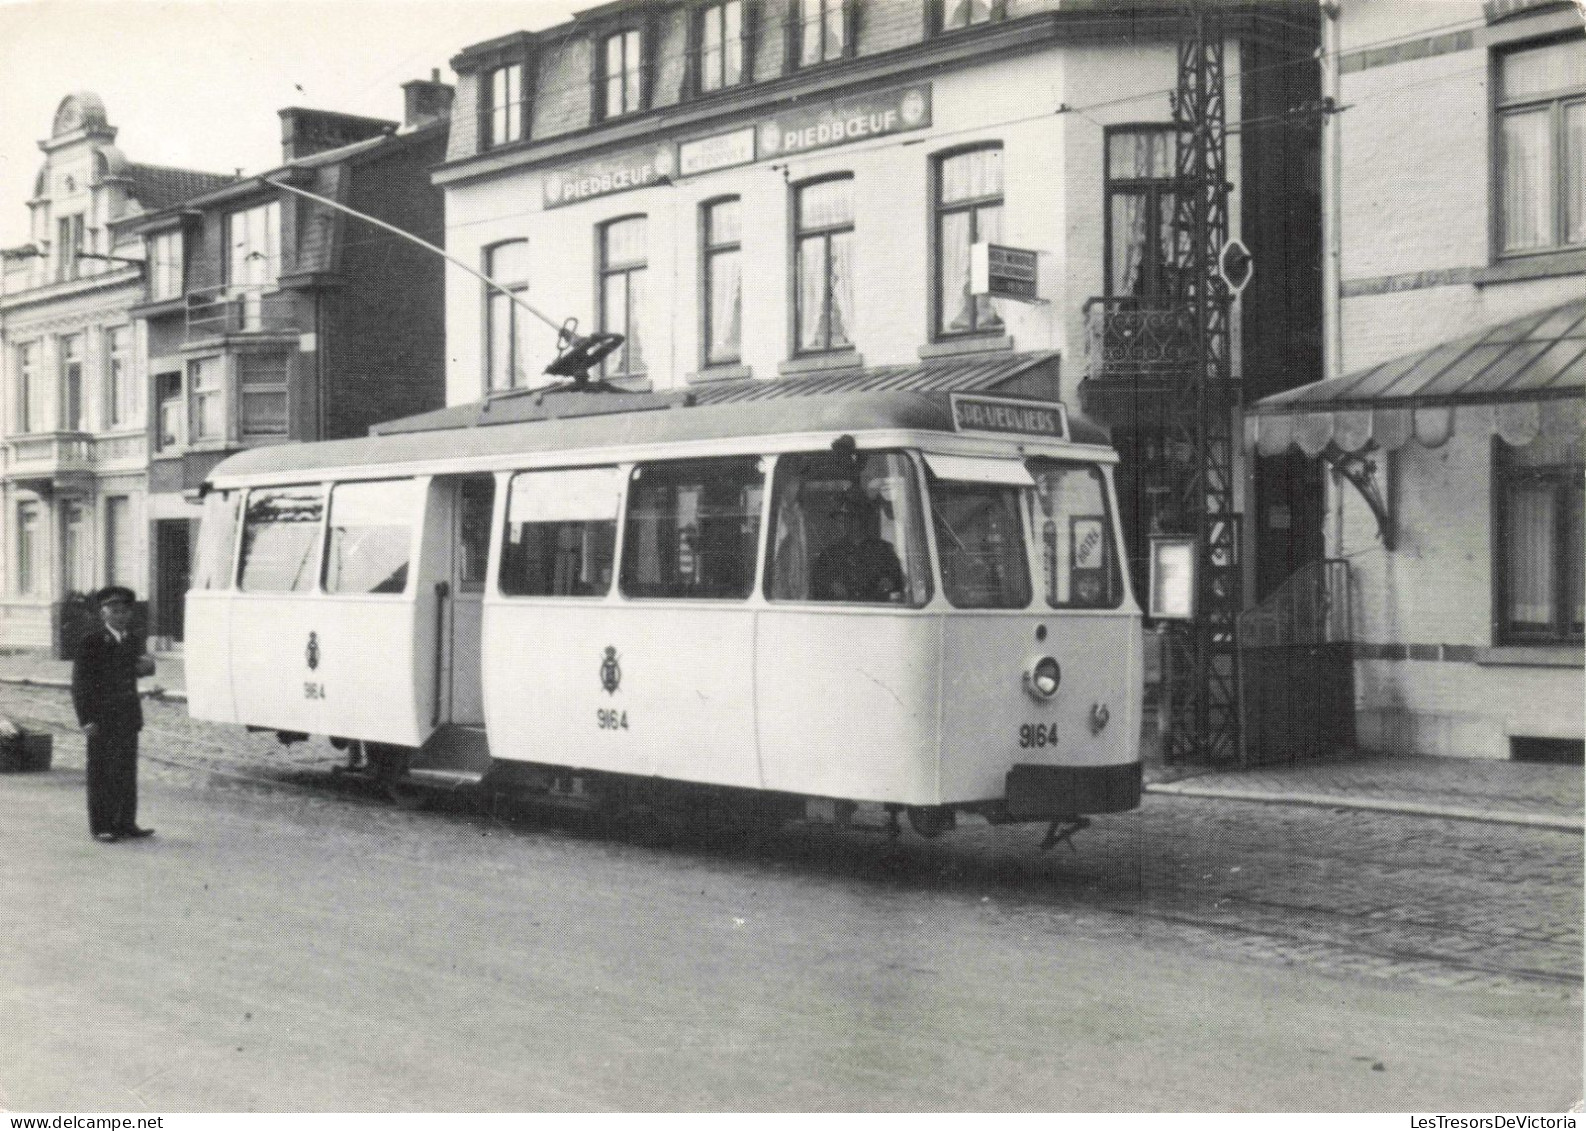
(1043, 677)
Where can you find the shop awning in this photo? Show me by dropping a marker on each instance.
(1517, 380)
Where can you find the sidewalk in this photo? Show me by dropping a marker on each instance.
(1515, 793)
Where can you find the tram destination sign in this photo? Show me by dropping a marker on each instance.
(1009, 417)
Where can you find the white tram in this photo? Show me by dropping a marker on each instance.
(909, 599)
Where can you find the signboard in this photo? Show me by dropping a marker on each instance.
(854, 119)
(1172, 578)
(1003, 272)
(619, 172)
(723, 151)
(1000, 415)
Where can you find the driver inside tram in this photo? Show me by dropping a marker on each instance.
(859, 565)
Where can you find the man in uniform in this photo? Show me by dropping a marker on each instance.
(105, 693)
(857, 565)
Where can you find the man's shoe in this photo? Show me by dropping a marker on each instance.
(134, 832)
(106, 838)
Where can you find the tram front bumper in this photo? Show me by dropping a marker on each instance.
(1042, 793)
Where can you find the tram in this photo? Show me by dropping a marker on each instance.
(793, 604)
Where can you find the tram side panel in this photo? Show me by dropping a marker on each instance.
(663, 689)
(207, 632)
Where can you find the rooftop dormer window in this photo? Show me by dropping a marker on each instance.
(721, 42)
(824, 31)
(622, 73)
(505, 106)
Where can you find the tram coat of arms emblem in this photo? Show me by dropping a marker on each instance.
(610, 672)
(311, 653)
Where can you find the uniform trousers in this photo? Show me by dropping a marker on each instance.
(112, 780)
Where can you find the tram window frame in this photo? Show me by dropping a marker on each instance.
(215, 567)
(606, 541)
(311, 561)
(405, 572)
(1069, 537)
(740, 586)
(941, 488)
(908, 524)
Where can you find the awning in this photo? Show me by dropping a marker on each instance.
(968, 469)
(1518, 380)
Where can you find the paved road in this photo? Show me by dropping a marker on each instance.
(294, 946)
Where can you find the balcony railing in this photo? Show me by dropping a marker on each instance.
(1131, 339)
(48, 455)
(253, 308)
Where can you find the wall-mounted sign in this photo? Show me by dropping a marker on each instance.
(723, 151)
(619, 172)
(1003, 272)
(1004, 416)
(1172, 578)
(853, 119)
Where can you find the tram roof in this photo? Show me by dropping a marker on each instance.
(562, 418)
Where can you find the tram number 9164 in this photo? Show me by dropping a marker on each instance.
(1037, 735)
(608, 719)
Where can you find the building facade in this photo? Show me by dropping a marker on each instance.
(74, 409)
(271, 317)
(768, 188)
(1457, 399)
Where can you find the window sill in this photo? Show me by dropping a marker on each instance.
(1539, 265)
(713, 373)
(820, 363)
(957, 347)
(1533, 656)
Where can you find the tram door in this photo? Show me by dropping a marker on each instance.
(472, 497)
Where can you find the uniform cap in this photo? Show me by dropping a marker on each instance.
(113, 593)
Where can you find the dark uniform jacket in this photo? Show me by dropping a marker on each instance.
(105, 681)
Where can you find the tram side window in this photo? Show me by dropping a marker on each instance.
(561, 533)
(217, 538)
(280, 539)
(980, 540)
(371, 536)
(1074, 529)
(693, 528)
(847, 527)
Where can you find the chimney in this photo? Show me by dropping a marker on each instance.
(425, 100)
(304, 132)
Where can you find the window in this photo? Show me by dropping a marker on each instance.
(119, 387)
(30, 393)
(1540, 541)
(623, 259)
(847, 528)
(622, 73)
(205, 378)
(371, 536)
(253, 259)
(968, 211)
(723, 290)
(824, 31)
(69, 241)
(1141, 197)
(1541, 108)
(280, 539)
(173, 415)
(967, 13)
(71, 347)
(217, 540)
(561, 533)
(261, 386)
(505, 107)
(980, 541)
(27, 547)
(824, 251)
(120, 542)
(476, 500)
(508, 265)
(165, 266)
(1073, 527)
(693, 529)
(721, 43)
(76, 562)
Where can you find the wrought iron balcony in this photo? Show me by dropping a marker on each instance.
(252, 308)
(1138, 340)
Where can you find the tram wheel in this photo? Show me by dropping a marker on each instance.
(931, 820)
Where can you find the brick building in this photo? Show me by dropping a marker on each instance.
(754, 189)
(271, 318)
(1458, 391)
(74, 410)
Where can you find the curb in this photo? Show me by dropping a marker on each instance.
(1413, 808)
(161, 693)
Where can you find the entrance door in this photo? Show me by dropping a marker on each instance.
(473, 499)
(173, 568)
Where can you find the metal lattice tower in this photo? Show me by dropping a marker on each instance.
(1201, 675)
